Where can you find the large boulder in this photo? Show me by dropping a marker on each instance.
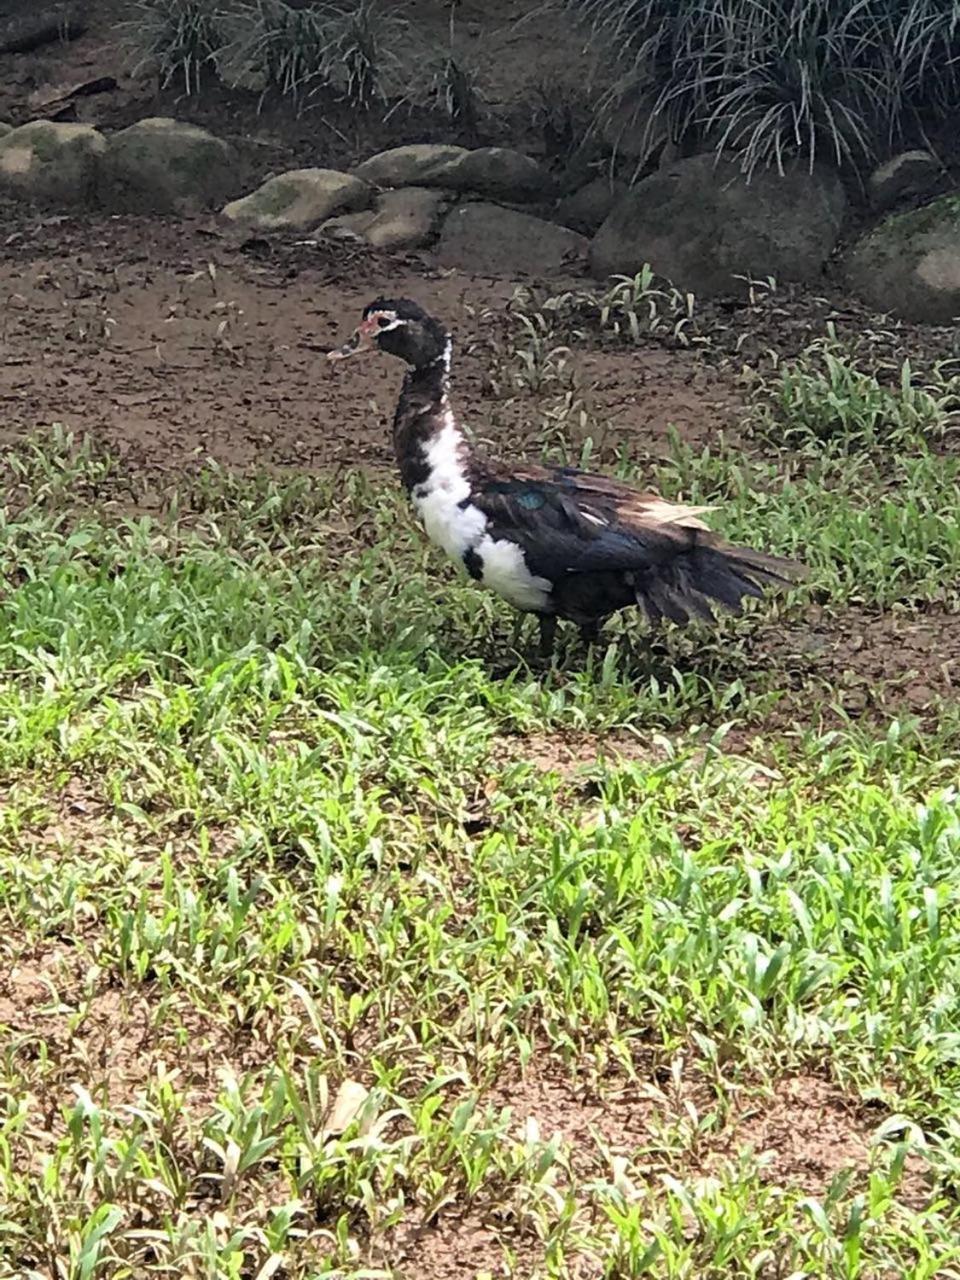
(5, 128)
(910, 174)
(489, 171)
(413, 165)
(299, 200)
(588, 208)
(489, 240)
(161, 165)
(910, 263)
(48, 162)
(700, 223)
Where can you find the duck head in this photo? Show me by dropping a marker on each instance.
(401, 328)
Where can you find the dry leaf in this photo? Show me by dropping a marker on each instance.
(346, 1107)
(621, 1179)
(231, 1166)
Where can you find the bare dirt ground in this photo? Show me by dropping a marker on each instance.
(170, 341)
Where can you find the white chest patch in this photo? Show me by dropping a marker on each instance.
(505, 572)
(457, 529)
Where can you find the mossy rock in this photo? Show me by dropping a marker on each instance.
(416, 164)
(405, 218)
(498, 172)
(904, 177)
(48, 162)
(161, 165)
(300, 200)
(909, 264)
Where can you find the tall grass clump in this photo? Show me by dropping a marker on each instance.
(448, 82)
(347, 49)
(178, 39)
(365, 38)
(770, 80)
(287, 49)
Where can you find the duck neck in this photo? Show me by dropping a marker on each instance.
(429, 445)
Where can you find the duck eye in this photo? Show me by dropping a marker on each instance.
(383, 322)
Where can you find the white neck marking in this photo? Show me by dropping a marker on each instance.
(452, 527)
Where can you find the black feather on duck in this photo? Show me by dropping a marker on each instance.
(554, 541)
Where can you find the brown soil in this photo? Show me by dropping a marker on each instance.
(118, 1044)
(803, 1129)
(806, 1126)
(802, 1132)
(107, 321)
(877, 663)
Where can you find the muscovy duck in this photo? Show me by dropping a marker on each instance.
(554, 541)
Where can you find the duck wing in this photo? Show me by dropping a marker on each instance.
(570, 523)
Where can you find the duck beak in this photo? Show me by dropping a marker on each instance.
(360, 340)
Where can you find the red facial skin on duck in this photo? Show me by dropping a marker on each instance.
(360, 340)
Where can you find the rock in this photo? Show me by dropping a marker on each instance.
(160, 165)
(349, 226)
(632, 129)
(406, 219)
(587, 208)
(300, 200)
(670, 153)
(912, 173)
(497, 172)
(490, 240)
(910, 263)
(700, 223)
(488, 171)
(53, 163)
(22, 33)
(407, 166)
(5, 128)
(58, 101)
(403, 219)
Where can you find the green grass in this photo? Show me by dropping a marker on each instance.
(268, 829)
